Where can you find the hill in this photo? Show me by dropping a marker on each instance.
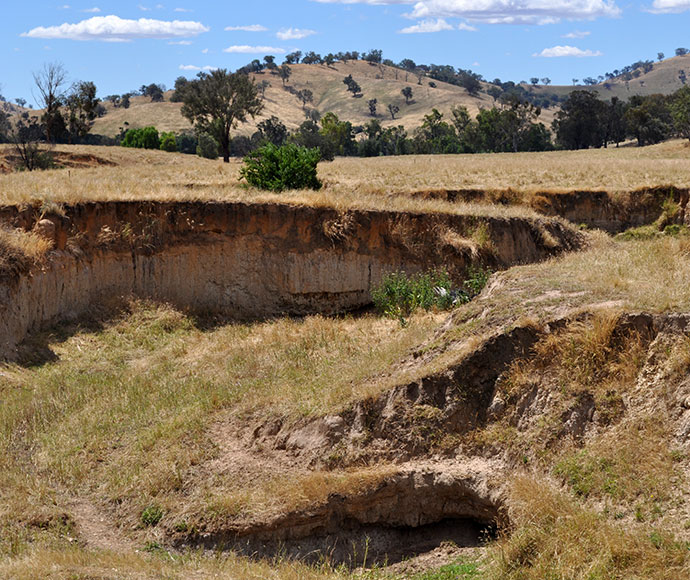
(663, 78)
(380, 82)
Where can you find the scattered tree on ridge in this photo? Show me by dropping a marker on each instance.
(407, 93)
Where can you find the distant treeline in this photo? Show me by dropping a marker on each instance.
(584, 121)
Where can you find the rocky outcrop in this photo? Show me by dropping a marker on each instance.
(247, 260)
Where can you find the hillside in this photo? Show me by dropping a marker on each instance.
(663, 79)
(330, 94)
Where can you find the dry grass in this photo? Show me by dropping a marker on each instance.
(555, 537)
(144, 392)
(19, 250)
(73, 563)
(352, 182)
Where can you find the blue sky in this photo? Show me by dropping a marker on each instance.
(122, 45)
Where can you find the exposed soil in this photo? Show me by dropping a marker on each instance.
(10, 162)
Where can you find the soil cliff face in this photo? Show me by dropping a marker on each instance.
(247, 260)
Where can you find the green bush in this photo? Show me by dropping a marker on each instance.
(168, 142)
(146, 138)
(279, 168)
(399, 294)
(207, 147)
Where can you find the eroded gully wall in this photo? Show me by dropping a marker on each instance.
(247, 260)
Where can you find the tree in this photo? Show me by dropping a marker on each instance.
(25, 136)
(82, 106)
(262, 86)
(293, 57)
(155, 92)
(374, 56)
(215, 102)
(393, 110)
(21, 102)
(372, 107)
(312, 58)
(306, 96)
(407, 64)
(4, 126)
(50, 82)
(180, 85)
(681, 76)
(649, 119)
(407, 93)
(579, 124)
(660, 56)
(534, 81)
(494, 92)
(546, 81)
(338, 133)
(284, 73)
(270, 63)
(681, 51)
(329, 59)
(352, 85)
(680, 110)
(272, 130)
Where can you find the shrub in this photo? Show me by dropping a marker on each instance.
(207, 147)
(278, 168)
(168, 142)
(186, 143)
(146, 138)
(399, 295)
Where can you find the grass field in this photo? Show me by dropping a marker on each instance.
(380, 183)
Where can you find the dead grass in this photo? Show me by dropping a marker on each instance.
(20, 250)
(555, 537)
(378, 183)
(144, 391)
(75, 563)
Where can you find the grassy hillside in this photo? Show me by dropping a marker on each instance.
(382, 83)
(663, 78)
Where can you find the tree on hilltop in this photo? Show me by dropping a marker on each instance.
(215, 102)
(284, 73)
(393, 110)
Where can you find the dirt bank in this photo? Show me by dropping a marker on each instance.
(248, 261)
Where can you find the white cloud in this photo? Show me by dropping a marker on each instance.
(182, 10)
(577, 34)
(64, 7)
(466, 27)
(204, 51)
(144, 8)
(670, 6)
(180, 42)
(116, 29)
(562, 51)
(249, 28)
(506, 11)
(294, 33)
(197, 68)
(427, 26)
(94, 10)
(246, 49)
